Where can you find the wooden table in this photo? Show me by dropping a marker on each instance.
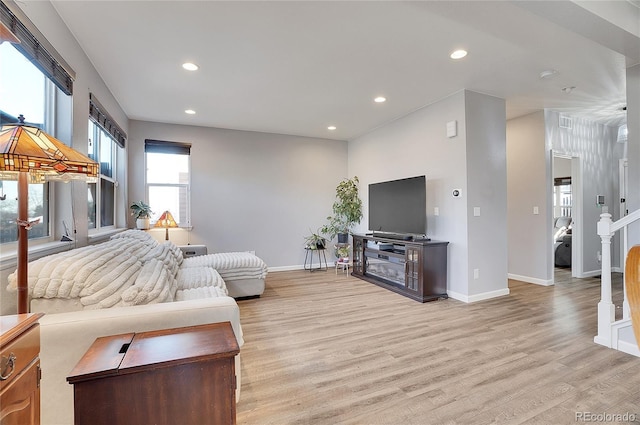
(172, 376)
(20, 369)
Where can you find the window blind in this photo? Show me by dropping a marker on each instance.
(37, 49)
(161, 146)
(100, 116)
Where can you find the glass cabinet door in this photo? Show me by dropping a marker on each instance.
(357, 256)
(412, 268)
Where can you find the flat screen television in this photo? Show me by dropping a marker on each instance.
(399, 206)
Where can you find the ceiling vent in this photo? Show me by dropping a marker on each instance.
(565, 122)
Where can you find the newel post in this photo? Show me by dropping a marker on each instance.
(606, 308)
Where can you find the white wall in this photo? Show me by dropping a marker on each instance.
(417, 144)
(528, 170)
(486, 190)
(531, 140)
(595, 145)
(250, 191)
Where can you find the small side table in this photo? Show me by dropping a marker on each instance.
(172, 376)
(321, 256)
(343, 264)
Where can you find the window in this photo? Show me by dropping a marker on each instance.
(23, 90)
(168, 179)
(102, 194)
(562, 197)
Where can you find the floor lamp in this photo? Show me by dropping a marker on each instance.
(167, 221)
(29, 155)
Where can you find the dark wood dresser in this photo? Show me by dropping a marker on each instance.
(20, 369)
(173, 376)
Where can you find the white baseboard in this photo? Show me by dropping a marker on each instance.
(478, 297)
(529, 279)
(297, 267)
(591, 273)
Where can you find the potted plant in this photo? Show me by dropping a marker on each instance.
(342, 252)
(315, 241)
(347, 210)
(142, 212)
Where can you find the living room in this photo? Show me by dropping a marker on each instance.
(257, 190)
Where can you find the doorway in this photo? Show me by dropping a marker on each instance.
(566, 215)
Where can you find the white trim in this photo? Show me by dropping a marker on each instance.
(103, 236)
(478, 297)
(577, 260)
(297, 267)
(528, 279)
(10, 260)
(592, 273)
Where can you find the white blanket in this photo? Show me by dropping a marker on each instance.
(131, 268)
(231, 265)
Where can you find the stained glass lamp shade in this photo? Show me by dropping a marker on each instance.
(29, 155)
(166, 220)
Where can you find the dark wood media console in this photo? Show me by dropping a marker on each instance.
(414, 268)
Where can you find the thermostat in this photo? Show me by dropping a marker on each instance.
(599, 199)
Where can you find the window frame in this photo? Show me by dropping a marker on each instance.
(50, 110)
(98, 135)
(169, 148)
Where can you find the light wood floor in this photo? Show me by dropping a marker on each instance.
(327, 349)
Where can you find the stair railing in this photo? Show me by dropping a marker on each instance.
(606, 307)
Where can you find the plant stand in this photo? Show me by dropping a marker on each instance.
(308, 256)
(343, 264)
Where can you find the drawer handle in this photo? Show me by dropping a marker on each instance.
(10, 363)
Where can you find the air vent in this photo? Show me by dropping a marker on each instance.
(565, 122)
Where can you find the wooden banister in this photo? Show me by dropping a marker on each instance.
(632, 285)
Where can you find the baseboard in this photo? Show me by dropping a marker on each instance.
(285, 268)
(478, 297)
(592, 273)
(529, 279)
(297, 267)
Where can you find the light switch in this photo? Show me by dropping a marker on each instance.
(452, 128)
(536, 210)
(476, 211)
(436, 211)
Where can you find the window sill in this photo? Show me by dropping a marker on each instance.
(10, 258)
(102, 236)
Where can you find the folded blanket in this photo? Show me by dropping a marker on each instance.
(197, 293)
(232, 262)
(198, 277)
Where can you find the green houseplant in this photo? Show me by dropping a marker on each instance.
(347, 210)
(315, 241)
(142, 212)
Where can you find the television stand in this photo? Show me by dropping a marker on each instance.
(416, 269)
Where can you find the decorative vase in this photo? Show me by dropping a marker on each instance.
(142, 223)
(343, 237)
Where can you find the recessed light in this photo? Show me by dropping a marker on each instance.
(189, 111)
(380, 99)
(458, 54)
(548, 73)
(331, 127)
(190, 66)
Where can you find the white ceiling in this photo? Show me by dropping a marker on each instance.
(296, 67)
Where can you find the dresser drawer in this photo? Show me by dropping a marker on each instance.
(23, 350)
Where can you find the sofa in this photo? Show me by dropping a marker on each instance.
(562, 234)
(130, 283)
